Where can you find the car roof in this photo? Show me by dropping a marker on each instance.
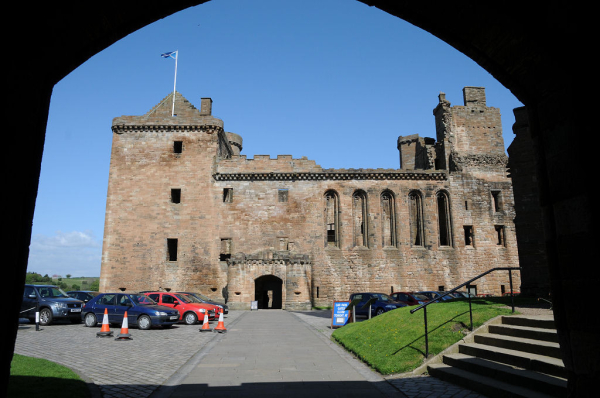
(41, 285)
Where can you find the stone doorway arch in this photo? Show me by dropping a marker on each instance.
(268, 291)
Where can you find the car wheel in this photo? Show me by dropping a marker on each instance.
(190, 318)
(45, 316)
(379, 311)
(90, 320)
(144, 322)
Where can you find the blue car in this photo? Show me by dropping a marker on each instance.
(142, 311)
(382, 304)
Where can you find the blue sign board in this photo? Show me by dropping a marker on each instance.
(339, 315)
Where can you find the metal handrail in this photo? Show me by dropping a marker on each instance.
(438, 299)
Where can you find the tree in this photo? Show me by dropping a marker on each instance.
(95, 285)
(68, 276)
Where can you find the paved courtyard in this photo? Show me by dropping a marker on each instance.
(264, 353)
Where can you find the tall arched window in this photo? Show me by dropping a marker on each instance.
(331, 217)
(444, 219)
(388, 218)
(417, 229)
(360, 219)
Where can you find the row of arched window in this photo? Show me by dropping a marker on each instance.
(360, 224)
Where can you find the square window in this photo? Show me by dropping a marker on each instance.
(176, 195)
(172, 249)
(177, 146)
(227, 195)
(283, 195)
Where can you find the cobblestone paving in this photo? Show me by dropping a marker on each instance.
(132, 368)
(136, 368)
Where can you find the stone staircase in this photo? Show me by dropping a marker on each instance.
(519, 356)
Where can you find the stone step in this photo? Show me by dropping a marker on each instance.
(484, 385)
(538, 363)
(526, 332)
(551, 385)
(542, 322)
(538, 347)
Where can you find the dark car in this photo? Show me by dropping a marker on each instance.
(142, 311)
(409, 298)
(53, 304)
(203, 299)
(435, 296)
(383, 303)
(83, 295)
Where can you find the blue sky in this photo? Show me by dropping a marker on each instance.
(336, 81)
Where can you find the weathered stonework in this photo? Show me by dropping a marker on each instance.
(186, 211)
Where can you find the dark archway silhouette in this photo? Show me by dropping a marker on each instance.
(537, 51)
(268, 291)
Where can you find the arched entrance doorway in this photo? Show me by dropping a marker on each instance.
(268, 292)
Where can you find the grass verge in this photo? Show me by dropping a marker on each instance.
(30, 377)
(394, 342)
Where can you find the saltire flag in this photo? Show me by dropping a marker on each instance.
(169, 54)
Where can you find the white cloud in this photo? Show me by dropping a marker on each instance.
(76, 253)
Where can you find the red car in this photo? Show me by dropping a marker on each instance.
(190, 312)
(409, 298)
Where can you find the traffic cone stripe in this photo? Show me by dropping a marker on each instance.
(220, 326)
(105, 330)
(205, 325)
(124, 335)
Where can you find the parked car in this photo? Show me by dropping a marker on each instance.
(203, 299)
(383, 303)
(53, 304)
(190, 312)
(465, 294)
(434, 296)
(83, 295)
(142, 311)
(409, 298)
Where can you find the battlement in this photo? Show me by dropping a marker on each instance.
(265, 164)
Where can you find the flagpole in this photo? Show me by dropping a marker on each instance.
(175, 83)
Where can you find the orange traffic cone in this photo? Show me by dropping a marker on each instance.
(124, 335)
(205, 325)
(220, 326)
(105, 330)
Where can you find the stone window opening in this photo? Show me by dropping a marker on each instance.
(172, 249)
(500, 235)
(177, 146)
(417, 228)
(282, 195)
(283, 244)
(469, 235)
(388, 219)
(332, 221)
(496, 201)
(225, 253)
(441, 288)
(444, 219)
(360, 219)
(227, 195)
(176, 195)
(502, 289)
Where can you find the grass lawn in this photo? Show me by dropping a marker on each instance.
(35, 377)
(394, 342)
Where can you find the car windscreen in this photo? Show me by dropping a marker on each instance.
(382, 297)
(193, 299)
(202, 297)
(51, 292)
(184, 298)
(141, 299)
(420, 297)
